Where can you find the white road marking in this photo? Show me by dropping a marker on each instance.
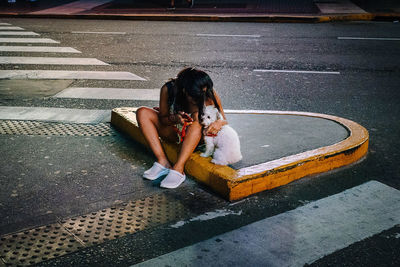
(28, 40)
(51, 61)
(110, 93)
(55, 114)
(100, 32)
(13, 28)
(300, 236)
(339, 7)
(4, 24)
(369, 38)
(13, 33)
(42, 49)
(72, 8)
(228, 35)
(207, 216)
(298, 71)
(68, 75)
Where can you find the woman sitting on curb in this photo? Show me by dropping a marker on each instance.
(177, 120)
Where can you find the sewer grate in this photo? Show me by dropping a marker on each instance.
(51, 128)
(54, 240)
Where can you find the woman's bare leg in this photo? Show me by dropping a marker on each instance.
(192, 138)
(151, 128)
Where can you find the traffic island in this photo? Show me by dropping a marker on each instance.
(278, 147)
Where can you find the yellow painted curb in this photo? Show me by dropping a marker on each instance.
(236, 184)
(346, 17)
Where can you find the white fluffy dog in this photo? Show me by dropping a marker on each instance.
(225, 147)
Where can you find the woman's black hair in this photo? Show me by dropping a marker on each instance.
(192, 82)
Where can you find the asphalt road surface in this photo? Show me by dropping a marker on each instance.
(350, 70)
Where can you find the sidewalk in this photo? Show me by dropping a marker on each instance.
(208, 10)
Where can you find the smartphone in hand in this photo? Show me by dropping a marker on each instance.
(186, 117)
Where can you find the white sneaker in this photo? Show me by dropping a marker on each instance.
(173, 179)
(156, 171)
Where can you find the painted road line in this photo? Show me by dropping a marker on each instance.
(55, 114)
(41, 49)
(110, 93)
(4, 24)
(51, 61)
(67, 75)
(298, 71)
(28, 40)
(339, 7)
(228, 35)
(12, 28)
(100, 32)
(18, 33)
(299, 236)
(369, 38)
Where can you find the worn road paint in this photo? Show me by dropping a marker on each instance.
(72, 8)
(299, 236)
(369, 38)
(298, 71)
(55, 114)
(207, 216)
(228, 35)
(52, 61)
(40, 49)
(68, 75)
(11, 28)
(110, 93)
(28, 40)
(18, 33)
(100, 32)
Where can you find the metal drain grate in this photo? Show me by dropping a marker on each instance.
(51, 128)
(46, 242)
(128, 218)
(36, 245)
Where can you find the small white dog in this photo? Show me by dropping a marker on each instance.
(225, 147)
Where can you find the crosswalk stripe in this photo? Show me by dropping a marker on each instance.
(42, 49)
(110, 93)
(13, 28)
(122, 33)
(298, 71)
(28, 40)
(55, 114)
(68, 75)
(18, 33)
(300, 236)
(51, 61)
(370, 38)
(4, 24)
(229, 35)
(72, 8)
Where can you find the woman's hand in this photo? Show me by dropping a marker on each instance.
(181, 117)
(215, 127)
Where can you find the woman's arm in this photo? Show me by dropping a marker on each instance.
(216, 126)
(220, 105)
(163, 112)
